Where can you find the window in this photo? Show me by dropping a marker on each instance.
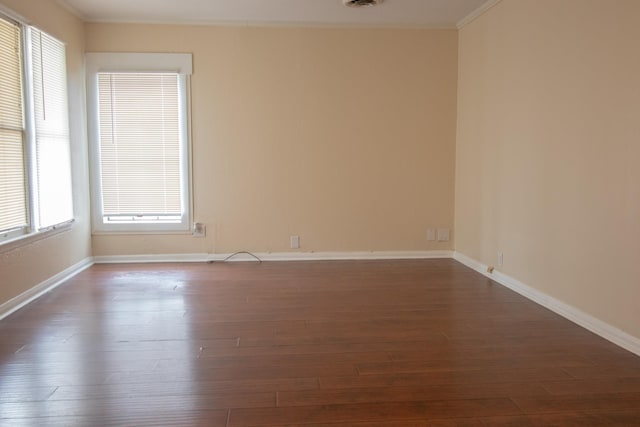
(13, 196)
(138, 116)
(35, 166)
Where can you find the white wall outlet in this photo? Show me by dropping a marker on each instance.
(500, 259)
(199, 230)
(431, 234)
(295, 242)
(443, 234)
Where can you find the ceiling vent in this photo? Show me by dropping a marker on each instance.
(361, 3)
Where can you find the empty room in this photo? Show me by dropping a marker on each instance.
(319, 213)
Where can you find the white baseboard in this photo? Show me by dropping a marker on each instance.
(275, 256)
(597, 326)
(147, 258)
(40, 289)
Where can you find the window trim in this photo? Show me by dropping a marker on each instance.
(109, 62)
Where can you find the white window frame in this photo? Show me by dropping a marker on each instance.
(180, 63)
(33, 231)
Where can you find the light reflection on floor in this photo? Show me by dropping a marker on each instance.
(118, 337)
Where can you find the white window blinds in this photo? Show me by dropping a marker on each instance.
(140, 147)
(13, 197)
(35, 165)
(53, 166)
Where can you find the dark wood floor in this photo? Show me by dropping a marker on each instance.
(384, 343)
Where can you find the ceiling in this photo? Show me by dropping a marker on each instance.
(409, 13)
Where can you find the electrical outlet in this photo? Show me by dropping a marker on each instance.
(443, 234)
(295, 242)
(199, 230)
(431, 234)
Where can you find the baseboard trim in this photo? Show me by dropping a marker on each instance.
(579, 317)
(150, 258)
(42, 288)
(274, 256)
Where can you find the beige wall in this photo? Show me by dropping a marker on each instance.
(547, 150)
(29, 265)
(344, 137)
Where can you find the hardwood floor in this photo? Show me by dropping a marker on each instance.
(368, 343)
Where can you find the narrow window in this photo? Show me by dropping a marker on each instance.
(52, 180)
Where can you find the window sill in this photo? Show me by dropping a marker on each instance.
(139, 232)
(141, 228)
(27, 239)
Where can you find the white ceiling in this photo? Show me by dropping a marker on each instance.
(410, 13)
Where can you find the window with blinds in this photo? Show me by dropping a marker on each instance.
(13, 196)
(51, 118)
(35, 166)
(140, 146)
(138, 128)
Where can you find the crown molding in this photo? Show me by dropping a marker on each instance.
(476, 13)
(279, 24)
(72, 10)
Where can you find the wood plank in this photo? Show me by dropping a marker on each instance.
(139, 405)
(408, 394)
(179, 388)
(479, 376)
(576, 403)
(208, 418)
(570, 419)
(387, 411)
(593, 386)
(463, 422)
(456, 362)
